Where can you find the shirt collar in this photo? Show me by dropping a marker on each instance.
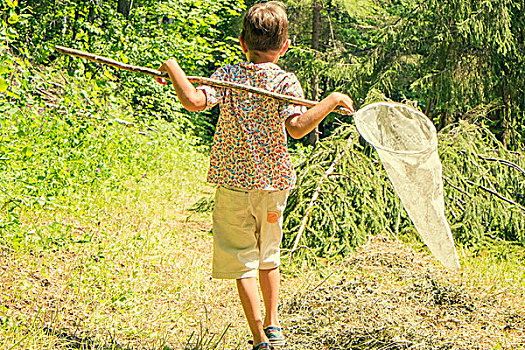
(264, 65)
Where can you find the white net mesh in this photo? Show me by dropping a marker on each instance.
(406, 142)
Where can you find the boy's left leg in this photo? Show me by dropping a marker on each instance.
(249, 295)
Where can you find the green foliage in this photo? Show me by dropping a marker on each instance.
(474, 163)
(450, 56)
(201, 35)
(342, 62)
(354, 201)
(61, 136)
(65, 142)
(458, 61)
(63, 129)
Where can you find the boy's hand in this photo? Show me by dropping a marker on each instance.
(160, 80)
(344, 101)
(191, 98)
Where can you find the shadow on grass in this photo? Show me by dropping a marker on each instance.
(72, 341)
(202, 340)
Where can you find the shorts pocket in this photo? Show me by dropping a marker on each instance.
(275, 206)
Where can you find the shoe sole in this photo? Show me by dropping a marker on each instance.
(279, 342)
(272, 343)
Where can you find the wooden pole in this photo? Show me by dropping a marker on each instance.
(195, 80)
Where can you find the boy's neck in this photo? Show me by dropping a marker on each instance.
(262, 57)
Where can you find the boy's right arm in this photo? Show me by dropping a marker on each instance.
(191, 98)
(301, 124)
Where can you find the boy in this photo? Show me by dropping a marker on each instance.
(250, 163)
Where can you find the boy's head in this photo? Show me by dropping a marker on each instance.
(265, 27)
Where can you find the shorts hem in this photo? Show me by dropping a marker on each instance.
(268, 266)
(234, 275)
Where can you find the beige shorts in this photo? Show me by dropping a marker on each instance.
(247, 231)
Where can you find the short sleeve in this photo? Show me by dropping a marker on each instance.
(213, 95)
(292, 87)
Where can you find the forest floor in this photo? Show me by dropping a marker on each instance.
(136, 275)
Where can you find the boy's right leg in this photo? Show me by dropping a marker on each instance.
(270, 281)
(269, 274)
(249, 295)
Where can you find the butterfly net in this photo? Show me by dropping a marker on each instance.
(406, 142)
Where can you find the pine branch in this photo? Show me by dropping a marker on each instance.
(496, 194)
(503, 161)
(304, 222)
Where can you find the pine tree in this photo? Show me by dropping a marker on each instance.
(457, 56)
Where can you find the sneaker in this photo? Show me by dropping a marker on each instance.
(263, 346)
(275, 335)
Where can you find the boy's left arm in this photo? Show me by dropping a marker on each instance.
(191, 98)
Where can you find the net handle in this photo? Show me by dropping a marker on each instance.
(196, 80)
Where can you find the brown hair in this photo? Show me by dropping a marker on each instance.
(265, 26)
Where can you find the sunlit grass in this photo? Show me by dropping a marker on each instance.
(135, 267)
(496, 273)
(135, 271)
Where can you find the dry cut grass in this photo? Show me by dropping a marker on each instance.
(388, 296)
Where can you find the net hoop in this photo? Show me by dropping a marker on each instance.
(361, 119)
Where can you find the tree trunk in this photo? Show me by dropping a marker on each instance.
(91, 14)
(64, 26)
(443, 120)
(313, 136)
(123, 7)
(316, 24)
(506, 115)
(75, 26)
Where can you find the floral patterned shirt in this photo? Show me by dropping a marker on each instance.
(249, 146)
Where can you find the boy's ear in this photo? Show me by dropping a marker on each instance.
(285, 47)
(244, 47)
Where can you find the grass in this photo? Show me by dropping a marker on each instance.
(386, 295)
(118, 262)
(135, 267)
(134, 273)
(97, 248)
